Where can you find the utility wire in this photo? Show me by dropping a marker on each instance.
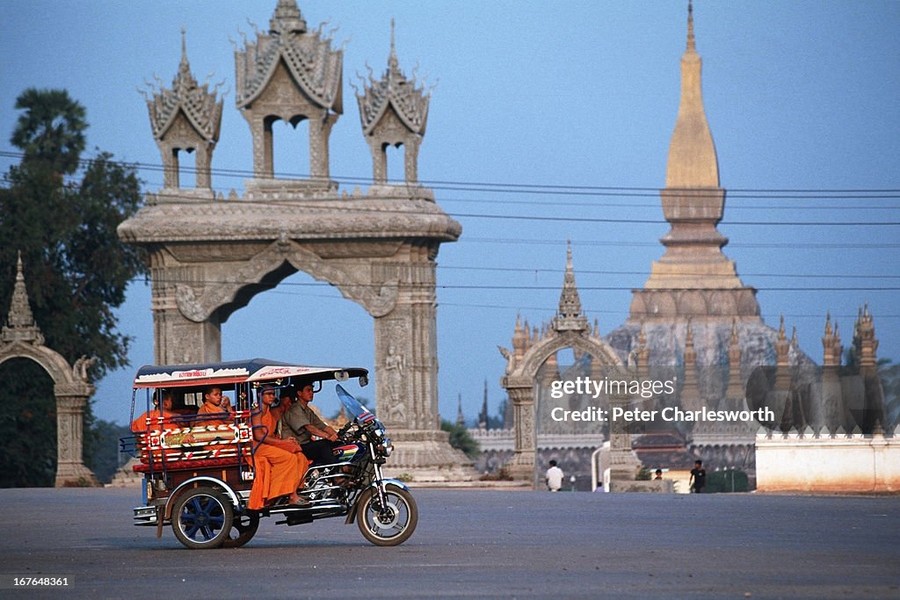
(538, 188)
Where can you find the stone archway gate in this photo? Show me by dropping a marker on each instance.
(568, 329)
(210, 255)
(208, 260)
(22, 338)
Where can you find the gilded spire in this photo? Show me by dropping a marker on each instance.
(692, 153)
(691, 43)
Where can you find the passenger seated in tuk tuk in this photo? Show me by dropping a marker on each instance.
(140, 424)
(214, 405)
(302, 423)
(279, 463)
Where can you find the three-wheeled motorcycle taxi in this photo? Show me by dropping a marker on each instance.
(198, 471)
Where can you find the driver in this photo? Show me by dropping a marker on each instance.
(302, 423)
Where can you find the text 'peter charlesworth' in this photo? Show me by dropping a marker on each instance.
(668, 414)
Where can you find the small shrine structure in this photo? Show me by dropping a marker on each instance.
(22, 338)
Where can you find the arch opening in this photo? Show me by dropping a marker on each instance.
(28, 435)
(394, 156)
(290, 147)
(185, 170)
(288, 317)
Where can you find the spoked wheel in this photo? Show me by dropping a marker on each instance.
(389, 524)
(243, 528)
(202, 518)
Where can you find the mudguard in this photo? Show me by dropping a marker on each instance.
(173, 495)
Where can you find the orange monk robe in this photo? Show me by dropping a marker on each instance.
(208, 409)
(140, 424)
(277, 472)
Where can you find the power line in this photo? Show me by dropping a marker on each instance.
(527, 288)
(562, 242)
(579, 272)
(545, 218)
(543, 188)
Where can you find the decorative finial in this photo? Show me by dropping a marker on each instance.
(691, 45)
(20, 321)
(569, 316)
(392, 36)
(393, 62)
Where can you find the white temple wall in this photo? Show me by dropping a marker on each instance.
(840, 464)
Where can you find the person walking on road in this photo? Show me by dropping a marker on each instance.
(554, 477)
(698, 477)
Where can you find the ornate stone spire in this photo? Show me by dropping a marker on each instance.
(20, 322)
(782, 359)
(393, 91)
(314, 66)
(865, 343)
(569, 316)
(394, 112)
(694, 277)
(831, 345)
(184, 118)
(692, 153)
(199, 104)
(290, 74)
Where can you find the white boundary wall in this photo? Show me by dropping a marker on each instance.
(841, 463)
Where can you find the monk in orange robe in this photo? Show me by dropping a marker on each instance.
(140, 424)
(279, 463)
(214, 403)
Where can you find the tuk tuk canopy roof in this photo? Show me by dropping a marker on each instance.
(249, 370)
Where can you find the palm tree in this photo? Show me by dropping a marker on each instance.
(51, 130)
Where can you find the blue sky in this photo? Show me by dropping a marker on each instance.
(800, 96)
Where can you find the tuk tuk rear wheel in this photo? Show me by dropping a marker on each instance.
(243, 528)
(202, 518)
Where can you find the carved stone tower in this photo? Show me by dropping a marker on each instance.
(693, 278)
(185, 118)
(393, 112)
(290, 74)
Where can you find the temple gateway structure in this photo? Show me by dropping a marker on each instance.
(209, 254)
(22, 338)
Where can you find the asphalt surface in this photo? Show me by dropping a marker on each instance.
(473, 543)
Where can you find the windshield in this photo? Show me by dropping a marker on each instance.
(359, 412)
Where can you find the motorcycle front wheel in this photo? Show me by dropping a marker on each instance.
(389, 524)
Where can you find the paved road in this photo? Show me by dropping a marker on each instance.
(475, 543)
